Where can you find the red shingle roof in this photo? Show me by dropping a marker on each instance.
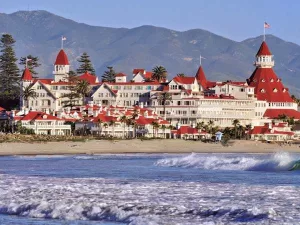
(184, 80)
(263, 50)
(136, 71)
(201, 78)
(61, 58)
(1, 109)
(266, 130)
(148, 75)
(121, 75)
(274, 113)
(268, 86)
(33, 115)
(187, 130)
(27, 75)
(92, 79)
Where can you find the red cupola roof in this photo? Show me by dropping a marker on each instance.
(263, 50)
(91, 79)
(200, 76)
(27, 75)
(268, 86)
(62, 58)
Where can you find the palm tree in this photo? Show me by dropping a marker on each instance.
(99, 126)
(159, 73)
(241, 131)
(28, 92)
(129, 122)
(105, 125)
(123, 120)
(83, 88)
(112, 124)
(210, 125)
(180, 75)
(164, 97)
(235, 123)
(155, 125)
(163, 127)
(200, 125)
(248, 127)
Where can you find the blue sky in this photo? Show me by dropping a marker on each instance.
(235, 19)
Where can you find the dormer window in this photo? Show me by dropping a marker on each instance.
(278, 80)
(272, 80)
(262, 80)
(284, 90)
(275, 90)
(262, 90)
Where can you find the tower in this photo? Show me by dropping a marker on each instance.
(267, 86)
(26, 80)
(61, 67)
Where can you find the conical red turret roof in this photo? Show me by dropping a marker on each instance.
(27, 75)
(268, 86)
(62, 58)
(201, 78)
(263, 50)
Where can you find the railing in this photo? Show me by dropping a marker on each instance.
(57, 127)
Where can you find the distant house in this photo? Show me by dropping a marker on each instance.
(43, 123)
(272, 132)
(187, 132)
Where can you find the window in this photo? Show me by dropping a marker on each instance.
(242, 89)
(262, 90)
(274, 90)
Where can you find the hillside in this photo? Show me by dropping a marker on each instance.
(39, 32)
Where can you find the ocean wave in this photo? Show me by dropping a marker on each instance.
(139, 203)
(281, 161)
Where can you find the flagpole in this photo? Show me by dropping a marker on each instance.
(26, 62)
(264, 32)
(62, 42)
(200, 60)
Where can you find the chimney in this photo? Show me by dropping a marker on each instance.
(142, 105)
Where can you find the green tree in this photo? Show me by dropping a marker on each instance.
(163, 127)
(164, 98)
(235, 124)
(32, 64)
(9, 72)
(180, 75)
(200, 125)
(86, 64)
(109, 75)
(155, 126)
(112, 123)
(73, 94)
(159, 73)
(123, 120)
(28, 92)
(83, 88)
(100, 122)
(210, 125)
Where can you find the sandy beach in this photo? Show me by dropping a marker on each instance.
(138, 146)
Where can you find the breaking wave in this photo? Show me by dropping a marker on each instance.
(137, 203)
(281, 161)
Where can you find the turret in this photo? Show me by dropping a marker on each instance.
(61, 67)
(264, 58)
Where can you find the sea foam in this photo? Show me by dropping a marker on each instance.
(281, 161)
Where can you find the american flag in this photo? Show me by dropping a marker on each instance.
(266, 25)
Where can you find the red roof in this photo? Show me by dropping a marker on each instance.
(263, 50)
(33, 115)
(274, 113)
(121, 75)
(187, 130)
(1, 109)
(136, 71)
(148, 75)
(201, 78)
(27, 75)
(44, 81)
(266, 130)
(62, 58)
(184, 80)
(91, 79)
(268, 86)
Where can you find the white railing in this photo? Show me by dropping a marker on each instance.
(47, 126)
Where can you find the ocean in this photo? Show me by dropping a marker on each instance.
(142, 189)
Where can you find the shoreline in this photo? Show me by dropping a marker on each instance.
(96, 147)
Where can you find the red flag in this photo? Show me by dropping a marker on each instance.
(266, 25)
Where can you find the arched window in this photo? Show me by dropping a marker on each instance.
(272, 80)
(262, 80)
(262, 90)
(275, 90)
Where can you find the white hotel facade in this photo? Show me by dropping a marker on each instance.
(193, 99)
